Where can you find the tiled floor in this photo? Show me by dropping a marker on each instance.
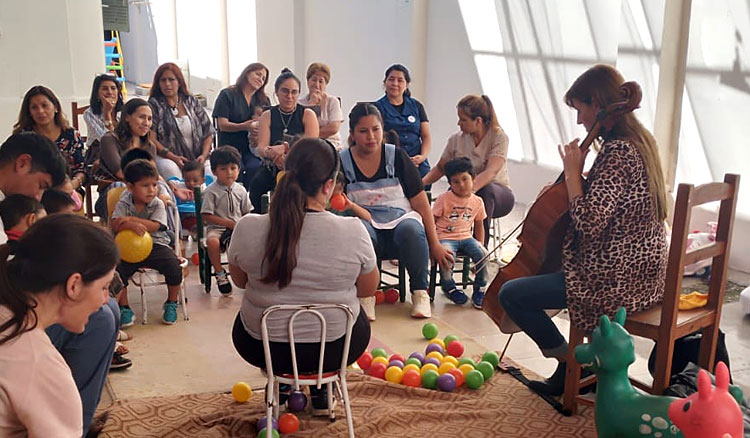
(197, 355)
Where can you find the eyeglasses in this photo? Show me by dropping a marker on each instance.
(288, 92)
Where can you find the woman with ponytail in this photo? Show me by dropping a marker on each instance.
(301, 254)
(483, 141)
(59, 274)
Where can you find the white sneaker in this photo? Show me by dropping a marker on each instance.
(368, 304)
(420, 300)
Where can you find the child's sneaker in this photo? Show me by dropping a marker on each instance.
(478, 298)
(368, 305)
(170, 313)
(127, 317)
(225, 287)
(457, 296)
(420, 301)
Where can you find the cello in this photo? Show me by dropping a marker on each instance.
(544, 227)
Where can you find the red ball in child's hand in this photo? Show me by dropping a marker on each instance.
(195, 258)
(391, 296)
(379, 296)
(338, 202)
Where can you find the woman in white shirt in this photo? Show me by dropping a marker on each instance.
(104, 108)
(330, 116)
(38, 397)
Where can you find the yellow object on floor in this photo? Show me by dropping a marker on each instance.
(693, 300)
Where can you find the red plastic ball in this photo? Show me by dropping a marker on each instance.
(459, 375)
(338, 202)
(378, 370)
(288, 423)
(396, 356)
(195, 259)
(412, 378)
(379, 296)
(365, 361)
(391, 296)
(455, 348)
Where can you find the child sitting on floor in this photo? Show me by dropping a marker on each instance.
(455, 211)
(57, 201)
(141, 211)
(18, 213)
(224, 203)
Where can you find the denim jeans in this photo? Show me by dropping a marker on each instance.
(408, 243)
(525, 301)
(472, 248)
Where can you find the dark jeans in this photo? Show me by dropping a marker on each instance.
(308, 354)
(498, 202)
(250, 165)
(162, 258)
(263, 181)
(525, 300)
(408, 243)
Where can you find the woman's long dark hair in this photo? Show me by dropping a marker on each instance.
(259, 97)
(122, 131)
(26, 122)
(96, 103)
(362, 109)
(311, 162)
(45, 257)
(405, 71)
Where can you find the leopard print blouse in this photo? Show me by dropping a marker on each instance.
(615, 250)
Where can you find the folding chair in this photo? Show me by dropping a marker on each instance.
(332, 379)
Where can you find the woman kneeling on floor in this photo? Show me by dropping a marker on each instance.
(308, 256)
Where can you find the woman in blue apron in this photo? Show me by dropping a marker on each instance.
(381, 179)
(406, 116)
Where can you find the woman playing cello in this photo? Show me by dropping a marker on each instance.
(614, 252)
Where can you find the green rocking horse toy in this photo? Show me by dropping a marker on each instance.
(621, 411)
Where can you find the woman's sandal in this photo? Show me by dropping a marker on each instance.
(121, 349)
(97, 425)
(123, 336)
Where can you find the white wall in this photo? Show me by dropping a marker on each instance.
(56, 43)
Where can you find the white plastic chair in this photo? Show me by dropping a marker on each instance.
(333, 379)
(147, 277)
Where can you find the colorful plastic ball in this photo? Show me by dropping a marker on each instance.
(379, 297)
(279, 176)
(428, 367)
(297, 401)
(455, 348)
(391, 296)
(445, 367)
(196, 259)
(379, 352)
(378, 370)
(338, 202)
(446, 382)
(397, 356)
(396, 363)
(439, 342)
(365, 361)
(417, 355)
(435, 354)
(486, 369)
(412, 378)
(429, 331)
(241, 392)
(432, 360)
(459, 375)
(451, 359)
(262, 433)
(411, 366)
(288, 423)
(465, 368)
(133, 248)
(492, 358)
(429, 379)
(379, 359)
(474, 379)
(450, 338)
(413, 361)
(262, 423)
(467, 360)
(394, 374)
(433, 347)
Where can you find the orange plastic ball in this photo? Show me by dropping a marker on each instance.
(379, 297)
(195, 258)
(391, 296)
(459, 375)
(288, 423)
(338, 202)
(412, 378)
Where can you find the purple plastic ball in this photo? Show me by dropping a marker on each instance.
(297, 401)
(263, 420)
(446, 382)
(433, 347)
(431, 360)
(417, 355)
(396, 363)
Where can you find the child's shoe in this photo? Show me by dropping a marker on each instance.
(225, 287)
(127, 317)
(457, 296)
(368, 305)
(478, 298)
(170, 312)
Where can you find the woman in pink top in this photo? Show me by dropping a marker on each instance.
(59, 273)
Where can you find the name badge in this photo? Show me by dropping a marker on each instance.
(411, 119)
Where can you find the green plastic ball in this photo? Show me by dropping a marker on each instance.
(262, 433)
(413, 360)
(429, 331)
(492, 358)
(486, 369)
(379, 352)
(464, 360)
(429, 379)
(448, 339)
(474, 379)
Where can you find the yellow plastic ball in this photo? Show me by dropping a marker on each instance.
(394, 374)
(379, 359)
(241, 392)
(445, 367)
(133, 248)
(450, 359)
(428, 366)
(437, 341)
(436, 355)
(411, 366)
(465, 368)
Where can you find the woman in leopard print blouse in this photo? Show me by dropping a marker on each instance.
(615, 252)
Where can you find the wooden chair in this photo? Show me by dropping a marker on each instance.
(664, 323)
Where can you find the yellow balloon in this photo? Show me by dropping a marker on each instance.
(279, 176)
(378, 359)
(445, 367)
(450, 359)
(437, 341)
(428, 366)
(435, 354)
(394, 374)
(241, 392)
(465, 368)
(133, 248)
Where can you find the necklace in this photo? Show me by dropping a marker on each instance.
(286, 122)
(175, 109)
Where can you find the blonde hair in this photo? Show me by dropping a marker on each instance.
(319, 67)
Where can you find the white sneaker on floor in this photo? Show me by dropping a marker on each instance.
(420, 300)
(368, 304)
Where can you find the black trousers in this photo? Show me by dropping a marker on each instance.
(263, 181)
